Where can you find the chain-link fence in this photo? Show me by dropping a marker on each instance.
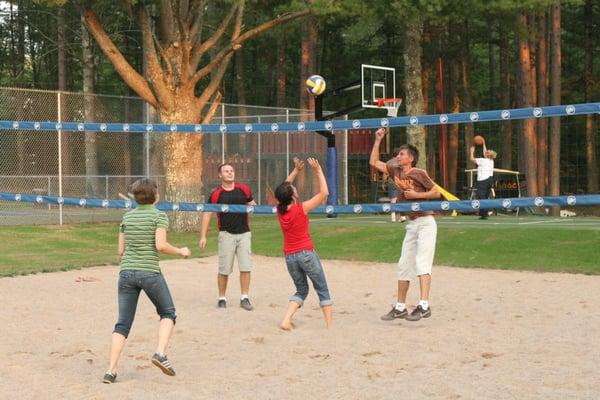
(103, 165)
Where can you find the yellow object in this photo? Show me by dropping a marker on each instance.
(448, 196)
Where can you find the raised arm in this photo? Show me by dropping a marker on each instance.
(374, 160)
(472, 154)
(298, 166)
(484, 147)
(320, 197)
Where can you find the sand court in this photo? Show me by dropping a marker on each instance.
(493, 334)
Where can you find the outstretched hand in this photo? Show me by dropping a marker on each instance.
(314, 164)
(380, 133)
(298, 164)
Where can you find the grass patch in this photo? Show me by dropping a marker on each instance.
(565, 248)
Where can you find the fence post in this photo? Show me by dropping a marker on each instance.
(146, 142)
(258, 159)
(223, 134)
(106, 187)
(345, 169)
(287, 144)
(59, 132)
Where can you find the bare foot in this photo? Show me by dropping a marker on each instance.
(286, 326)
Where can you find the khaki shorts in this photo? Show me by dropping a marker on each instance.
(232, 246)
(418, 248)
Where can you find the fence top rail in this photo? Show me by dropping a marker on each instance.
(300, 111)
(76, 176)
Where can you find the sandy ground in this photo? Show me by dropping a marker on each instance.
(492, 335)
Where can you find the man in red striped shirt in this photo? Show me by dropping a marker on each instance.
(234, 234)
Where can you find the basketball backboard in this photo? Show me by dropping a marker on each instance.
(377, 83)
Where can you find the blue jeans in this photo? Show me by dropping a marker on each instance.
(303, 264)
(131, 282)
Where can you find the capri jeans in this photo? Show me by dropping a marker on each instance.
(303, 264)
(131, 283)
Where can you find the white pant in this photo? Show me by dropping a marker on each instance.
(418, 248)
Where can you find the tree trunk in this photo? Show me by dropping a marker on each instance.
(183, 152)
(62, 52)
(66, 138)
(466, 81)
(454, 128)
(506, 128)
(281, 71)
(590, 132)
(528, 141)
(491, 64)
(555, 99)
(414, 94)
(542, 93)
(91, 160)
(429, 137)
(308, 61)
(241, 97)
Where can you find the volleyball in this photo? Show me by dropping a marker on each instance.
(316, 84)
(478, 140)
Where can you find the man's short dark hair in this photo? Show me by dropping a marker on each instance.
(413, 151)
(222, 165)
(144, 191)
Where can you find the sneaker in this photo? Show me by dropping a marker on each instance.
(394, 313)
(418, 313)
(109, 377)
(163, 363)
(245, 304)
(222, 303)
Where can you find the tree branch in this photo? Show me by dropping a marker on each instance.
(236, 44)
(215, 81)
(155, 73)
(167, 22)
(200, 48)
(131, 77)
(212, 109)
(197, 17)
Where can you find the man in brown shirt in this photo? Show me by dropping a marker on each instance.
(418, 248)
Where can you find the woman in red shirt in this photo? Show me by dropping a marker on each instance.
(300, 256)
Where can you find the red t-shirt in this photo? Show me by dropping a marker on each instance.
(294, 225)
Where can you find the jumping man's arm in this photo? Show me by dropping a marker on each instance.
(374, 160)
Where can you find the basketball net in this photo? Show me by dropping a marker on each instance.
(392, 106)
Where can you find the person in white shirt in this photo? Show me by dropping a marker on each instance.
(485, 175)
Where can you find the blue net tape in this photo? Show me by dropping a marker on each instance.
(461, 205)
(436, 119)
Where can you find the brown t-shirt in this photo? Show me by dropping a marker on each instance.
(416, 179)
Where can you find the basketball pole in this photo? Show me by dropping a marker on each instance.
(332, 160)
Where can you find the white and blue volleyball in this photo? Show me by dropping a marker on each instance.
(316, 84)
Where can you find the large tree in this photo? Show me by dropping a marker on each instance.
(186, 59)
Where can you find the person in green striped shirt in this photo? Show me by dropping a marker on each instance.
(143, 233)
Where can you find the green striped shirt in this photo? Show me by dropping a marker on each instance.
(139, 226)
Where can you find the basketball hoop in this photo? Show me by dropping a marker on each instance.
(392, 105)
